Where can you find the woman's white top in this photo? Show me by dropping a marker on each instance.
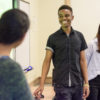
(93, 59)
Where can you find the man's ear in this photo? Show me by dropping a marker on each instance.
(72, 17)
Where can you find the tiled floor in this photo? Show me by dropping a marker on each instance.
(48, 92)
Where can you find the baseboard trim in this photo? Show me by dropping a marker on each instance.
(37, 81)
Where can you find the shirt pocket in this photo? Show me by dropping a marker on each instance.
(76, 47)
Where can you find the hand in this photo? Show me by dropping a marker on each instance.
(86, 91)
(38, 92)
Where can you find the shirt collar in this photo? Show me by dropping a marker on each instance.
(62, 32)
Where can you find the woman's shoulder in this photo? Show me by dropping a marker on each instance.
(93, 42)
(92, 45)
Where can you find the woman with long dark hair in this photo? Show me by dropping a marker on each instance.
(93, 63)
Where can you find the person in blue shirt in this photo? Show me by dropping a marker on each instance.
(93, 64)
(14, 24)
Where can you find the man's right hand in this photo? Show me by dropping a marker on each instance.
(38, 92)
(45, 69)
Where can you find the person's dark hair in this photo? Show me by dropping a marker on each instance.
(65, 7)
(14, 24)
(98, 37)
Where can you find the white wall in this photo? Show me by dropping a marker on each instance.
(48, 24)
(34, 40)
(44, 21)
(87, 17)
(24, 57)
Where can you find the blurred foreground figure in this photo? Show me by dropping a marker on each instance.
(13, 27)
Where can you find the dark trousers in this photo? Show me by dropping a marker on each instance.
(94, 89)
(68, 93)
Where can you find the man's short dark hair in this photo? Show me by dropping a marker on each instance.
(14, 24)
(65, 7)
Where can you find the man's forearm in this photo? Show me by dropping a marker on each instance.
(84, 71)
(45, 69)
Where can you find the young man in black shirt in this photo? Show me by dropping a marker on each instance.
(66, 48)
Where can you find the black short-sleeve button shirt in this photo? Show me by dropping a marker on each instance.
(66, 56)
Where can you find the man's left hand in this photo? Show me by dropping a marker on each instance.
(86, 91)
